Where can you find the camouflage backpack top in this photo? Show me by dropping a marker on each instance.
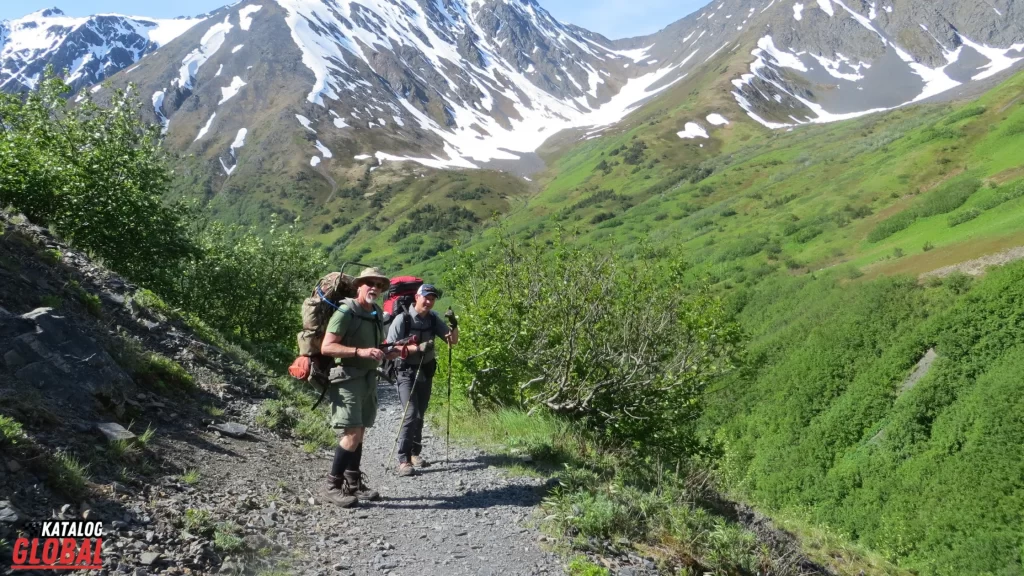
(328, 295)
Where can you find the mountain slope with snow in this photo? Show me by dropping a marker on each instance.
(89, 48)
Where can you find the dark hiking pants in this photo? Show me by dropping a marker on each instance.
(410, 438)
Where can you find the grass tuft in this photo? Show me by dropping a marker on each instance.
(67, 474)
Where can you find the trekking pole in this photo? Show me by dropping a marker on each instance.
(398, 434)
(448, 419)
(450, 315)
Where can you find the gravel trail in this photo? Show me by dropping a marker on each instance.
(464, 518)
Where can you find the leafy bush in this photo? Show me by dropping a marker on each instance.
(430, 218)
(1003, 197)
(962, 217)
(635, 154)
(892, 225)
(466, 194)
(557, 328)
(11, 432)
(964, 113)
(948, 197)
(945, 199)
(97, 175)
(246, 284)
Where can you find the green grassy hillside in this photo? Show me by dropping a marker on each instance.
(816, 239)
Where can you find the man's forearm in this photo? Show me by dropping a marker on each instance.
(339, 351)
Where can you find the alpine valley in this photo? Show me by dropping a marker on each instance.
(288, 106)
(843, 178)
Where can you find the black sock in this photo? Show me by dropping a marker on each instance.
(356, 460)
(342, 460)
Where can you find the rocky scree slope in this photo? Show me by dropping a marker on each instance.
(87, 368)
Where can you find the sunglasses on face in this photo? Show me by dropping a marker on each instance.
(381, 286)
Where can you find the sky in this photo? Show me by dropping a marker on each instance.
(612, 18)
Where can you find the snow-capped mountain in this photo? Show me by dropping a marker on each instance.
(90, 49)
(280, 86)
(827, 60)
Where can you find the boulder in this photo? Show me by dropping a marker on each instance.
(8, 513)
(233, 429)
(115, 432)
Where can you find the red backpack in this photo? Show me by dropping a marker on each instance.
(401, 296)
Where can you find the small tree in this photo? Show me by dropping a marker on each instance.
(614, 343)
(96, 174)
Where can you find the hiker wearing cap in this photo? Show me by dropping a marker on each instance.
(416, 371)
(354, 335)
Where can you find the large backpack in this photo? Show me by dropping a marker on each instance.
(326, 297)
(400, 298)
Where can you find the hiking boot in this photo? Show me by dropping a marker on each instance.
(419, 462)
(354, 486)
(406, 469)
(334, 492)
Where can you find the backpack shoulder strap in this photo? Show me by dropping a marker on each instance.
(348, 307)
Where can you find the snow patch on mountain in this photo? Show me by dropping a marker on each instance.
(229, 91)
(239, 139)
(237, 48)
(314, 161)
(305, 122)
(692, 130)
(998, 60)
(208, 46)
(798, 11)
(717, 119)
(245, 15)
(158, 109)
(324, 151)
(331, 37)
(238, 143)
(206, 127)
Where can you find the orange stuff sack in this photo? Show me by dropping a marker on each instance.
(300, 368)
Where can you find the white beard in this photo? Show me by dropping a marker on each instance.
(370, 298)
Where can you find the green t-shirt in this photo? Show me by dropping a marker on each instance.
(360, 328)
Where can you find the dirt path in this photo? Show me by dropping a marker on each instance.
(465, 518)
(977, 266)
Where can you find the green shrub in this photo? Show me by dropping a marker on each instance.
(273, 414)
(97, 175)
(11, 432)
(962, 217)
(944, 199)
(948, 197)
(199, 522)
(573, 344)
(226, 539)
(964, 113)
(580, 566)
(163, 373)
(313, 428)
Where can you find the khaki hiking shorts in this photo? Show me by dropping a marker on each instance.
(353, 397)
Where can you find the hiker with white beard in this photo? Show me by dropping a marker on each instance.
(354, 336)
(416, 371)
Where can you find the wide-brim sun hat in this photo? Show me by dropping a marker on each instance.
(371, 274)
